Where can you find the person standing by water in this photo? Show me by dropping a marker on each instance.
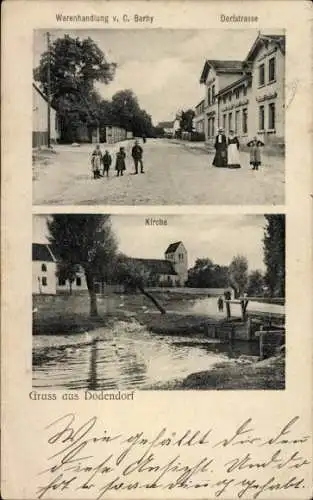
(233, 160)
(220, 304)
(96, 158)
(120, 165)
(255, 152)
(137, 153)
(220, 158)
(106, 162)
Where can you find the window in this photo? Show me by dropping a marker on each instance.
(224, 99)
(213, 126)
(224, 122)
(78, 281)
(209, 97)
(272, 69)
(44, 281)
(245, 91)
(229, 97)
(245, 121)
(230, 122)
(261, 74)
(237, 120)
(44, 268)
(213, 94)
(261, 118)
(62, 282)
(237, 93)
(271, 116)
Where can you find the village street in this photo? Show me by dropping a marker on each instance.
(175, 173)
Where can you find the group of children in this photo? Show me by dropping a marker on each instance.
(101, 163)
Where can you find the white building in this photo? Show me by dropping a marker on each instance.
(247, 96)
(43, 270)
(40, 120)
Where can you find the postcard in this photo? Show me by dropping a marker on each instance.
(157, 250)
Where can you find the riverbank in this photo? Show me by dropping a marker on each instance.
(239, 374)
(69, 314)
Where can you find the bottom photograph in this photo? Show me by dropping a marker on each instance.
(171, 302)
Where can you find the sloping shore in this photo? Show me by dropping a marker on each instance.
(262, 375)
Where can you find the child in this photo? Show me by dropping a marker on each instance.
(120, 162)
(96, 162)
(106, 162)
(255, 152)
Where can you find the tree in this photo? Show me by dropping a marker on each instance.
(238, 274)
(274, 254)
(206, 274)
(86, 240)
(75, 66)
(133, 275)
(66, 271)
(186, 120)
(255, 284)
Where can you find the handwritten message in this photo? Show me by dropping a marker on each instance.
(242, 463)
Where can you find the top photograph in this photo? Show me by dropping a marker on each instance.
(158, 117)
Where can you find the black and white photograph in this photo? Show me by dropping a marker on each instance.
(158, 117)
(131, 302)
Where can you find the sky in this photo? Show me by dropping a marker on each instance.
(161, 66)
(218, 237)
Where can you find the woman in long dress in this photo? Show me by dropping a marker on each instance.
(233, 160)
(220, 158)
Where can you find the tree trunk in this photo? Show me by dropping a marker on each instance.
(92, 293)
(153, 299)
(70, 287)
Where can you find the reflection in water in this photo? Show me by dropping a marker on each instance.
(125, 356)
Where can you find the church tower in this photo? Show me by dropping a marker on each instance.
(176, 253)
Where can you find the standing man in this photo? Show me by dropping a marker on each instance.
(137, 153)
(106, 162)
(220, 158)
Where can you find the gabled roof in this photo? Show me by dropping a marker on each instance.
(42, 252)
(45, 98)
(156, 266)
(279, 40)
(166, 124)
(220, 66)
(172, 247)
(237, 83)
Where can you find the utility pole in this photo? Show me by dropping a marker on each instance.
(49, 91)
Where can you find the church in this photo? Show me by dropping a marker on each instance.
(170, 271)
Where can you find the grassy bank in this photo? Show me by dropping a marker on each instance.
(69, 314)
(262, 375)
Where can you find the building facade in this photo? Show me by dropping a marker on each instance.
(78, 284)
(40, 120)
(43, 270)
(168, 127)
(198, 121)
(247, 96)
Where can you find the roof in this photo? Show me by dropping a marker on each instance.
(220, 66)
(42, 94)
(172, 247)
(235, 84)
(199, 103)
(42, 252)
(279, 40)
(157, 266)
(166, 124)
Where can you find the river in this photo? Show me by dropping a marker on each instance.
(128, 356)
